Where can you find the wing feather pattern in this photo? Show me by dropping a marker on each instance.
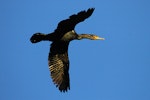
(59, 65)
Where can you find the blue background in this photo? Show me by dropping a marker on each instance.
(115, 69)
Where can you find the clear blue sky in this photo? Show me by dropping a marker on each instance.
(115, 69)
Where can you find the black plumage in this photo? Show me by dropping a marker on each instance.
(58, 57)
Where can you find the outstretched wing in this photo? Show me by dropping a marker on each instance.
(59, 65)
(70, 23)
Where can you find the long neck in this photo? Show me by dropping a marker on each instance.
(84, 36)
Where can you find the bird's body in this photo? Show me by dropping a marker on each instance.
(58, 57)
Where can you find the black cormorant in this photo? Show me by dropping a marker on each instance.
(58, 57)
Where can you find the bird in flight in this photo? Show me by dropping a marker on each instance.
(58, 60)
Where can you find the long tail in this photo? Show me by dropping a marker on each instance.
(37, 37)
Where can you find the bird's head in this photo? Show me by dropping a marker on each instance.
(95, 37)
(89, 36)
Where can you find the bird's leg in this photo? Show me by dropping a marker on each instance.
(37, 37)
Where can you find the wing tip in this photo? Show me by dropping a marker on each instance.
(91, 9)
(64, 90)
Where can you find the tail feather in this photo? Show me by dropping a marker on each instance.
(37, 37)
